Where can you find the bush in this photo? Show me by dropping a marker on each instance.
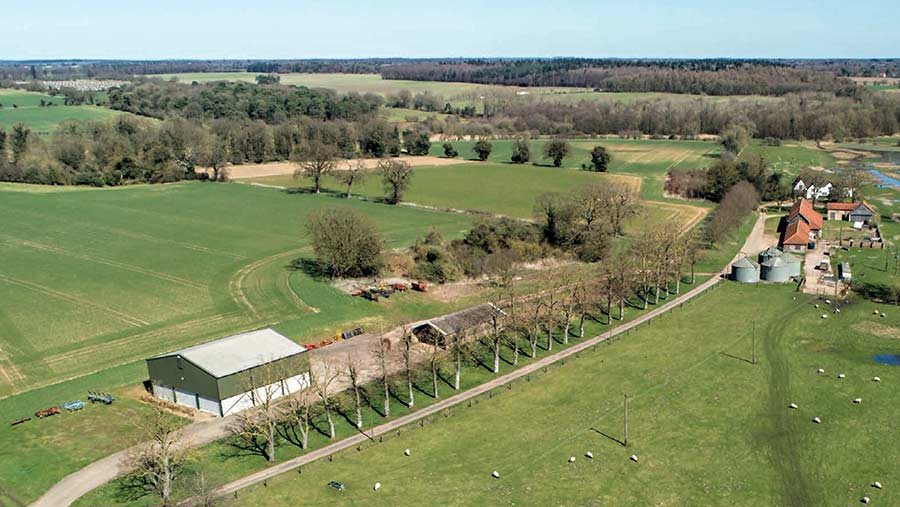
(521, 151)
(483, 149)
(450, 151)
(346, 242)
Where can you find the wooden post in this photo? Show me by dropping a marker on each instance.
(754, 342)
(626, 421)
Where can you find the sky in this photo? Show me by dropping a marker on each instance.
(280, 29)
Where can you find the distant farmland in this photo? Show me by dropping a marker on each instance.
(43, 120)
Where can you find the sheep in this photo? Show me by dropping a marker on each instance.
(883, 315)
(857, 400)
(589, 455)
(876, 379)
(876, 485)
(817, 305)
(820, 370)
(837, 310)
(495, 474)
(377, 486)
(633, 458)
(865, 499)
(824, 316)
(792, 405)
(572, 459)
(827, 301)
(875, 312)
(841, 375)
(406, 452)
(817, 420)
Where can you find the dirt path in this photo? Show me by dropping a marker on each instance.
(247, 171)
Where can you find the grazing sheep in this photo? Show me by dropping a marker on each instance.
(883, 315)
(827, 301)
(817, 305)
(377, 486)
(820, 370)
(837, 310)
(857, 400)
(875, 312)
(841, 375)
(589, 454)
(406, 452)
(876, 485)
(792, 405)
(824, 316)
(572, 459)
(633, 458)
(495, 474)
(876, 379)
(865, 499)
(817, 420)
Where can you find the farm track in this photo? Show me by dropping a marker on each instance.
(781, 433)
(79, 483)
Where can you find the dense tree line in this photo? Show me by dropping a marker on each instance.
(710, 77)
(807, 116)
(272, 104)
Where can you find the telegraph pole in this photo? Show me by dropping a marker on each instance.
(754, 342)
(626, 421)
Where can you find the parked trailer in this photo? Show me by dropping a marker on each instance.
(419, 286)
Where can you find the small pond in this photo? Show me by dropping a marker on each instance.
(892, 359)
(885, 179)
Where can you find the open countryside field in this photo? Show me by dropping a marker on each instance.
(107, 277)
(500, 187)
(458, 94)
(43, 120)
(708, 427)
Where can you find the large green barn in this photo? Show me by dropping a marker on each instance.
(231, 374)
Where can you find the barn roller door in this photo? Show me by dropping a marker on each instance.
(208, 405)
(186, 398)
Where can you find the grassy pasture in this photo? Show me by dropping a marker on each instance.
(709, 428)
(43, 120)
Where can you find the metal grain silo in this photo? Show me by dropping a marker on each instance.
(775, 269)
(793, 263)
(745, 271)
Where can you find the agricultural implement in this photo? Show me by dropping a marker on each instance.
(72, 406)
(105, 398)
(46, 412)
(419, 286)
(20, 421)
(346, 335)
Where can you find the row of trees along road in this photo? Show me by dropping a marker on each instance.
(521, 323)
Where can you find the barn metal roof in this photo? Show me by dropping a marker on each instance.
(464, 319)
(240, 352)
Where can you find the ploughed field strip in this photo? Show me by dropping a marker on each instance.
(94, 279)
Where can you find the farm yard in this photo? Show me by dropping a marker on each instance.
(707, 426)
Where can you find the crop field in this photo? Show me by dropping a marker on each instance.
(791, 158)
(707, 426)
(43, 120)
(500, 187)
(93, 279)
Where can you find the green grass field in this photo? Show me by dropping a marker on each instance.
(43, 120)
(708, 427)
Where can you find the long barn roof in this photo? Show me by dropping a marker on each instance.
(240, 352)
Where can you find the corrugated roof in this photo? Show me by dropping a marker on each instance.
(240, 352)
(464, 319)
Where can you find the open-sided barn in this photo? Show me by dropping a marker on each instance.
(231, 374)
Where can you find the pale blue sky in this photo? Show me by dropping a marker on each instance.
(159, 29)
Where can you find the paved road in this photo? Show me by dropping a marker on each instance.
(100, 472)
(753, 240)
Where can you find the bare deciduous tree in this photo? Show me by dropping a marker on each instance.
(356, 386)
(156, 463)
(382, 353)
(324, 383)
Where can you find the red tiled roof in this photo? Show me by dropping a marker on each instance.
(841, 206)
(803, 207)
(797, 233)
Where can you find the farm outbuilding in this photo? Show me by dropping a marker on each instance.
(473, 322)
(776, 270)
(745, 271)
(231, 374)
